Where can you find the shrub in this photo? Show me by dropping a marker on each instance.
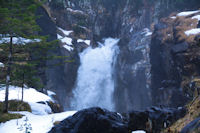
(7, 116)
(15, 105)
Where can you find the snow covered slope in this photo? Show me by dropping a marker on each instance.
(40, 120)
(37, 123)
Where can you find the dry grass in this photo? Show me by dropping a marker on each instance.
(13, 105)
(176, 29)
(193, 112)
(7, 116)
(56, 123)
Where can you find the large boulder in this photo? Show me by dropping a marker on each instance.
(154, 119)
(92, 120)
(97, 120)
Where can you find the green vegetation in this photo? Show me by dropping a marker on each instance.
(7, 116)
(13, 105)
(24, 64)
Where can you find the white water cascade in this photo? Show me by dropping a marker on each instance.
(95, 85)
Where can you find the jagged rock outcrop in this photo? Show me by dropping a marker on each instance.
(175, 60)
(154, 119)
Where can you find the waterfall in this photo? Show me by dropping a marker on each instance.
(95, 85)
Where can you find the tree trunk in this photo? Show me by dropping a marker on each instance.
(23, 87)
(5, 110)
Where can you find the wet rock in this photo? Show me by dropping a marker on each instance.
(55, 107)
(182, 47)
(192, 127)
(154, 119)
(92, 120)
(173, 57)
(138, 120)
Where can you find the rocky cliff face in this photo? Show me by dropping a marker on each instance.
(132, 22)
(174, 59)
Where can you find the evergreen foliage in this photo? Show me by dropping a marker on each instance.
(25, 63)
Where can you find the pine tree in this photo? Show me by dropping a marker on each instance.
(17, 19)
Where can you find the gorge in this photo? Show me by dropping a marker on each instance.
(118, 66)
(130, 21)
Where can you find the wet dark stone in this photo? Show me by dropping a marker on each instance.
(182, 47)
(97, 120)
(160, 26)
(92, 120)
(154, 119)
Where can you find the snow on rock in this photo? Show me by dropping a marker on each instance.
(40, 109)
(196, 17)
(1, 64)
(30, 94)
(59, 37)
(187, 13)
(192, 31)
(139, 131)
(75, 11)
(66, 32)
(50, 93)
(66, 40)
(69, 48)
(85, 41)
(18, 40)
(147, 32)
(173, 17)
(39, 124)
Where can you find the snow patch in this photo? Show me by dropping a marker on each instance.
(50, 93)
(59, 37)
(139, 131)
(196, 17)
(131, 29)
(40, 109)
(147, 32)
(67, 40)
(173, 17)
(75, 11)
(18, 40)
(69, 48)
(39, 124)
(1, 64)
(192, 31)
(66, 32)
(85, 41)
(30, 94)
(187, 13)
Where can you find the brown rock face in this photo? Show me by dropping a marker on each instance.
(175, 60)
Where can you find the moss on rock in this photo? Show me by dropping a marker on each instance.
(16, 105)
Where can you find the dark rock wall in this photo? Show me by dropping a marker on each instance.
(127, 20)
(175, 62)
